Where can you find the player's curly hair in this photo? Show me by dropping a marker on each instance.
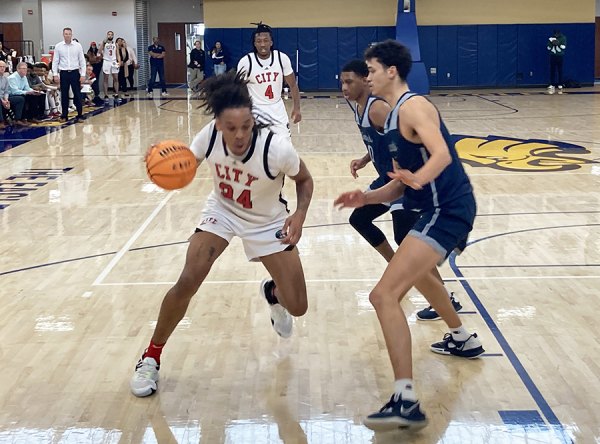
(225, 91)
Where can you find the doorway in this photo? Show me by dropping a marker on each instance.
(178, 40)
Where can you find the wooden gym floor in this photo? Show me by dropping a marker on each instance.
(89, 247)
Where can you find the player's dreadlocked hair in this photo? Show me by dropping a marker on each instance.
(260, 27)
(224, 91)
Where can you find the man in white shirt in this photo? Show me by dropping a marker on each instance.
(68, 67)
(266, 69)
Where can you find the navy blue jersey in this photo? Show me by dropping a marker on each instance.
(453, 183)
(376, 144)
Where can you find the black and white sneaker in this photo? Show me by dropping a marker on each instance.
(143, 382)
(429, 314)
(397, 414)
(470, 349)
(282, 321)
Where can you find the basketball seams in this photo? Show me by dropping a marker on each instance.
(171, 165)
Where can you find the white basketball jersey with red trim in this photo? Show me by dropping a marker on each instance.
(109, 52)
(265, 77)
(249, 186)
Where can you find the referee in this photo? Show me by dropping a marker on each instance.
(68, 66)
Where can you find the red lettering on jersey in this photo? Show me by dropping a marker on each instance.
(227, 176)
(217, 167)
(251, 179)
(257, 77)
(275, 75)
(237, 173)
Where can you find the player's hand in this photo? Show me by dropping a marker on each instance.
(356, 165)
(292, 228)
(405, 176)
(296, 115)
(350, 199)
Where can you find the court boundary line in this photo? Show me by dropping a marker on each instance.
(549, 415)
(132, 239)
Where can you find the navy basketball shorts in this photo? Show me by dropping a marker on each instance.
(447, 228)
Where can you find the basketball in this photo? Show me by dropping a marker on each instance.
(171, 165)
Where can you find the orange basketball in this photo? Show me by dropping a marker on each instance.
(171, 165)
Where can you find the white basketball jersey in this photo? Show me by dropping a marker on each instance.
(249, 186)
(109, 52)
(265, 79)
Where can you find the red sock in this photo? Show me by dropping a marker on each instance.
(153, 351)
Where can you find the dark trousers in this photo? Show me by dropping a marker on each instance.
(34, 106)
(122, 82)
(70, 79)
(556, 70)
(17, 104)
(160, 70)
(130, 76)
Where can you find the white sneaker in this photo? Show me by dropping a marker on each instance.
(560, 89)
(551, 89)
(149, 94)
(164, 94)
(143, 382)
(282, 321)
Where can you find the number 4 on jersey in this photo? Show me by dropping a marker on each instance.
(269, 92)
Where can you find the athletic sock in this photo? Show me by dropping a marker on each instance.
(404, 388)
(153, 351)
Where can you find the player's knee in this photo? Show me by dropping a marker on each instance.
(187, 285)
(298, 308)
(296, 303)
(358, 222)
(378, 299)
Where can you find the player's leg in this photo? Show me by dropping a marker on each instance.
(115, 76)
(105, 75)
(362, 219)
(204, 248)
(413, 260)
(286, 290)
(403, 221)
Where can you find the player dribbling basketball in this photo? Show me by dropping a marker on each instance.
(248, 164)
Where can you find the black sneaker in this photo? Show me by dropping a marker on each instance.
(470, 349)
(397, 414)
(429, 314)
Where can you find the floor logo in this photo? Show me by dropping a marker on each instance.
(504, 153)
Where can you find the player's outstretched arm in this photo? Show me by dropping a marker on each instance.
(356, 199)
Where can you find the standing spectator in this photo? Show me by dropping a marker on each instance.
(95, 58)
(156, 51)
(133, 63)
(20, 93)
(68, 66)
(218, 57)
(196, 66)
(557, 45)
(5, 55)
(123, 55)
(4, 92)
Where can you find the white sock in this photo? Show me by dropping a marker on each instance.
(460, 333)
(404, 387)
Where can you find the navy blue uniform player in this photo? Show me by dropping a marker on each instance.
(429, 174)
(370, 114)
